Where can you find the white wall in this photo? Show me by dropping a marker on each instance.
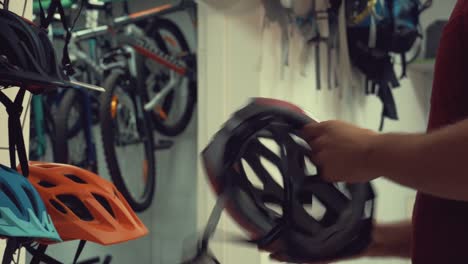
(17, 7)
(236, 64)
(227, 76)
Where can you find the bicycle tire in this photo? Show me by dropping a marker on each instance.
(63, 135)
(49, 121)
(41, 128)
(83, 74)
(108, 141)
(186, 114)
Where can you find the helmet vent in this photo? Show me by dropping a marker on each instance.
(46, 184)
(58, 206)
(276, 208)
(11, 196)
(76, 206)
(103, 201)
(75, 178)
(251, 176)
(316, 209)
(33, 200)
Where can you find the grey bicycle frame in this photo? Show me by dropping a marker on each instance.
(129, 37)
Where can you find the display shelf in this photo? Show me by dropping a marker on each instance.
(423, 66)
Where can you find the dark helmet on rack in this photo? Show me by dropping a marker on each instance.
(27, 56)
(27, 60)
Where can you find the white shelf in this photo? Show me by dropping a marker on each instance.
(425, 67)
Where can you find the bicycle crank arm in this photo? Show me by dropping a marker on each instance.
(163, 144)
(173, 82)
(128, 142)
(94, 260)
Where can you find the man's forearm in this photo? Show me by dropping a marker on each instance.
(435, 163)
(392, 240)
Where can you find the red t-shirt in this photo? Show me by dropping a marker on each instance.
(440, 227)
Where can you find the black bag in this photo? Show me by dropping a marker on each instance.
(376, 30)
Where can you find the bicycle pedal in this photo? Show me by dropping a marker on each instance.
(163, 144)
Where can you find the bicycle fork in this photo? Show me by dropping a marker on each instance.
(91, 147)
(174, 81)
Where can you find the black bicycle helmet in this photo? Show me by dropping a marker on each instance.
(245, 145)
(27, 56)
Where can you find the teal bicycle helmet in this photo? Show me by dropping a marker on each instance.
(22, 211)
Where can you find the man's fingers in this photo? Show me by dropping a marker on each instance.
(278, 257)
(317, 148)
(327, 176)
(318, 144)
(313, 130)
(281, 258)
(316, 158)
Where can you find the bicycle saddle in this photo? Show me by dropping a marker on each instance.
(287, 209)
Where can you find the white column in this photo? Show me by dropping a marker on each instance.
(17, 7)
(228, 58)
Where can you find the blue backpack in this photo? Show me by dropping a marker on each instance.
(377, 29)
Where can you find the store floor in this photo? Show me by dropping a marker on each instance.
(171, 218)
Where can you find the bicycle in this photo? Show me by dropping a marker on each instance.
(171, 110)
(42, 125)
(43, 110)
(78, 111)
(51, 113)
(126, 111)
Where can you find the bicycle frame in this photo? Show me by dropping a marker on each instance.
(85, 98)
(91, 147)
(132, 36)
(145, 47)
(125, 20)
(43, 116)
(39, 121)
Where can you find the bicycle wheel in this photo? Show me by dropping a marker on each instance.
(83, 74)
(127, 136)
(71, 142)
(41, 128)
(173, 115)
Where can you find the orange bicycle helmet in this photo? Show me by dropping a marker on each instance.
(84, 206)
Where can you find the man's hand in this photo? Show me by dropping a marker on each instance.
(433, 163)
(341, 151)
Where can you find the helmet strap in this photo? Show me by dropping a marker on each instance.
(15, 130)
(81, 245)
(210, 228)
(40, 256)
(56, 5)
(11, 247)
(215, 216)
(6, 4)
